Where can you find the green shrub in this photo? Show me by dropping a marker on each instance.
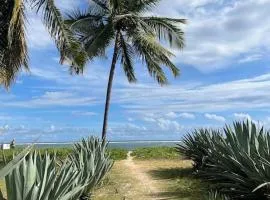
(236, 160)
(118, 154)
(61, 153)
(155, 153)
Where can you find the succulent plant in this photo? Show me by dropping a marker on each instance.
(37, 176)
(90, 157)
(236, 160)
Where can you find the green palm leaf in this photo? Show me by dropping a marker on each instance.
(127, 59)
(13, 52)
(69, 48)
(122, 22)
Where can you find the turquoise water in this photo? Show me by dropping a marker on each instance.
(125, 145)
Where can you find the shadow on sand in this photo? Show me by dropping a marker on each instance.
(183, 185)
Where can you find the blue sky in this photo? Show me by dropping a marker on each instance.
(225, 76)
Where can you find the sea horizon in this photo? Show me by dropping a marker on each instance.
(127, 144)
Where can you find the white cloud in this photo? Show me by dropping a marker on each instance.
(251, 58)
(167, 125)
(130, 119)
(37, 34)
(242, 116)
(83, 113)
(171, 115)
(234, 22)
(237, 95)
(184, 115)
(187, 115)
(50, 99)
(149, 119)
(214, 117)
(52, 128)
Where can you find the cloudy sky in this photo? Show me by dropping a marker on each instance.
(225, 76)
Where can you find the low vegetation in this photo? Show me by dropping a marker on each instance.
(155, 153)
(41, 176)
(60, 153)
(236, 160)
(233, 163)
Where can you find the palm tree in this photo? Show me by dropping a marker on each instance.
(123, 23)
(13, 45)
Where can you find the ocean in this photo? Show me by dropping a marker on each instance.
(129, 145)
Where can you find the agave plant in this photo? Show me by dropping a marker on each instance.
(238, 159)
(90, 157)
(16, 161)
(37, 177)
(13, 164)
(195, 146)
(214, 195)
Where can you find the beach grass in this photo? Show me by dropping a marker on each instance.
(172, 179)
(155, 153)
(61, 153)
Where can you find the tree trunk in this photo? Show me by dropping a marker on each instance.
(109, 87)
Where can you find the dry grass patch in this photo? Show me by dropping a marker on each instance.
(169, 179)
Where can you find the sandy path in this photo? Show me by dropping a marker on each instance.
(143, 178)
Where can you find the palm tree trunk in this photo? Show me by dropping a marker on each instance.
(109, 87)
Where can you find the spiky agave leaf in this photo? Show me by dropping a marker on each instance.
(37, 177)
(90, 157)
(237, 161)
(16, 161)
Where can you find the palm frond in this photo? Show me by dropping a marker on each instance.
(167, 29)
(141, 5)
(96, 44)
(13, 51)
(83, 22)
(103, 4)
(149, 51)
(116, 6)
(127, 59)
(69, 48)
(154, 55)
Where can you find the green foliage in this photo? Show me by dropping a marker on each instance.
(13, 44)
(7, 169)
(90, 158)
(41, 176)
(13, 48)
(118, 154)
(37, 177)
(123, 23)
(15, 162)
(236, 160)
(61, 153)
(216, 196)
(195, 146)
(155, 153)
